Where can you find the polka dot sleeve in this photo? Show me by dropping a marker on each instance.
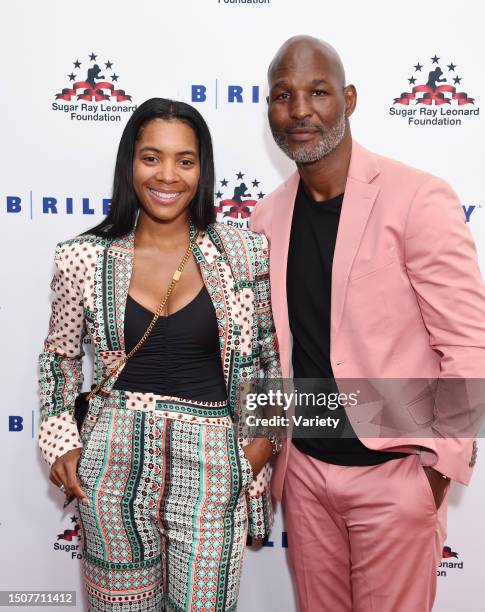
(60, 363)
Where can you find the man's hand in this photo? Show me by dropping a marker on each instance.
(258, 453)
(437, 483)
(63, 472)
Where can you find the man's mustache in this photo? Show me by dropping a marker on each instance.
(304, 125)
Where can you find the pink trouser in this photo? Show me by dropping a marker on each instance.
(362, 539)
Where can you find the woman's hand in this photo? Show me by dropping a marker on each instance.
(258, 453)
(63, 472)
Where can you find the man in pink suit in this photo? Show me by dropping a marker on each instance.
(373, 275)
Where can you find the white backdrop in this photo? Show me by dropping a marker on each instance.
(57, 165)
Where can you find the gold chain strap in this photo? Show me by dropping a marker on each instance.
(175, 278)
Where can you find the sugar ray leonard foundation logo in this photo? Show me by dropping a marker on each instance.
(235, 200)
(68, 540)
(436, 98)
(93, 93)
(449, 561)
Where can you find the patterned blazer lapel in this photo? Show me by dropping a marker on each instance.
(113, 276)
(215, 272)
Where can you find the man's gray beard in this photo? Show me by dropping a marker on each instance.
(329, 140)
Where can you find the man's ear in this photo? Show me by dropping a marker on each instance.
(350, 95)
(267, 100)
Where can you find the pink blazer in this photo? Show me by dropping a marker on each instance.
(408, 300)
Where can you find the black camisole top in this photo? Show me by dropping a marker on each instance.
(181, 357)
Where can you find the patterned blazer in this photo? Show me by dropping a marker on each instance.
(91, 282)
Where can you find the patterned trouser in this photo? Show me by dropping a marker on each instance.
(165, 525)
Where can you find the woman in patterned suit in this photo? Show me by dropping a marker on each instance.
(165, 489)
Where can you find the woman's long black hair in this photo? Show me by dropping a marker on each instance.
(124, 203)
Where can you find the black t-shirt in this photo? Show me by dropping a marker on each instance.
(309, 282)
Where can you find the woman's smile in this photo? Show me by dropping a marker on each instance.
(162, 196)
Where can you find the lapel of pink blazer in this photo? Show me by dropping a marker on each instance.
(359, 198)
(280, 240)
(360, 195)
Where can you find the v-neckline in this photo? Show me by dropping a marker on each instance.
(196, 297)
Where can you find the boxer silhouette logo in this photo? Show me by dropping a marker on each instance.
(435, 77)
(239, 205)
(236, 209)
(93, 74)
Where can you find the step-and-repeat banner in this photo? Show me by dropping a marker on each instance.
(72, 72)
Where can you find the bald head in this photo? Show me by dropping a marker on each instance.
(300, 52)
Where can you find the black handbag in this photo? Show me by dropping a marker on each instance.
(81, 406)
